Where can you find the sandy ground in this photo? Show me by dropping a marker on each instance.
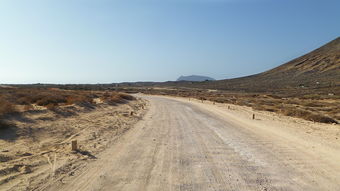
(189, 145)
(38, 153)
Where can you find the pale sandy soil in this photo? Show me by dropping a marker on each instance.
(189, 145)
(37, 152)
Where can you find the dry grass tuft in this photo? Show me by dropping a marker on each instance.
(79, 100)
(6, 107)
(116, 98)
(126, 96)
(316, 117)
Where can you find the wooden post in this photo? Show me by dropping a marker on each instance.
(253, 116)
(74, 145)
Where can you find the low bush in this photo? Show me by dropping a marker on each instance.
(51, 99)
(202, 98)
(116, 98)
(313, 104)
(51, 106)
(24, 101)
(265, 108)
(79, 99)
(6, 107)
(316, 117)
(126, 96)
(321, 118)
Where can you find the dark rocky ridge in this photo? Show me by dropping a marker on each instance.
(195, 78)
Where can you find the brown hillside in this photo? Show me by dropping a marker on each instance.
(320, 65)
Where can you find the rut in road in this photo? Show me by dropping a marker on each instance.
(182, 146)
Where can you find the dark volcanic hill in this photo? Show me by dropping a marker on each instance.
(317, 69)
(195, 78)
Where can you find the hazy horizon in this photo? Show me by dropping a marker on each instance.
(89, 42)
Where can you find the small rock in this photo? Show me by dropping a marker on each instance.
(27, 154)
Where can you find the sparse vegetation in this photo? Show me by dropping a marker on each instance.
(6, 107)
(53, 98)
(307, 104)
(319, 108)
(116, 98)
(38, 124)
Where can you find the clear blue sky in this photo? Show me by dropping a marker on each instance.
(102, 41)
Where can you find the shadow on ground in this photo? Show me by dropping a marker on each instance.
(8, 131)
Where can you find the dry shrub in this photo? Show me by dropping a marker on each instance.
(274, 96)
(78, 99)
(265, 108)
(202, 98)
(24, 101)
(311, 96)
(6, 107)
(220, 100)
(271, 109)
(313, 104)
(126, 96)
(243, 103)
(321, 118)
(51, 99)
(316, 117)
(294, 112)
(116, 98)
(291, 101)
(51, 106)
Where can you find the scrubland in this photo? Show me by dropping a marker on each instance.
(37, 126)
(15, 100)
(323, 108)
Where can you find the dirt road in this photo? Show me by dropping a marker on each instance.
(187, 145)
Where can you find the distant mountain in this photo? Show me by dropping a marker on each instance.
(195, 78)
(317, 69)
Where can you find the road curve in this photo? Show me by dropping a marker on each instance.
(183, 146)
